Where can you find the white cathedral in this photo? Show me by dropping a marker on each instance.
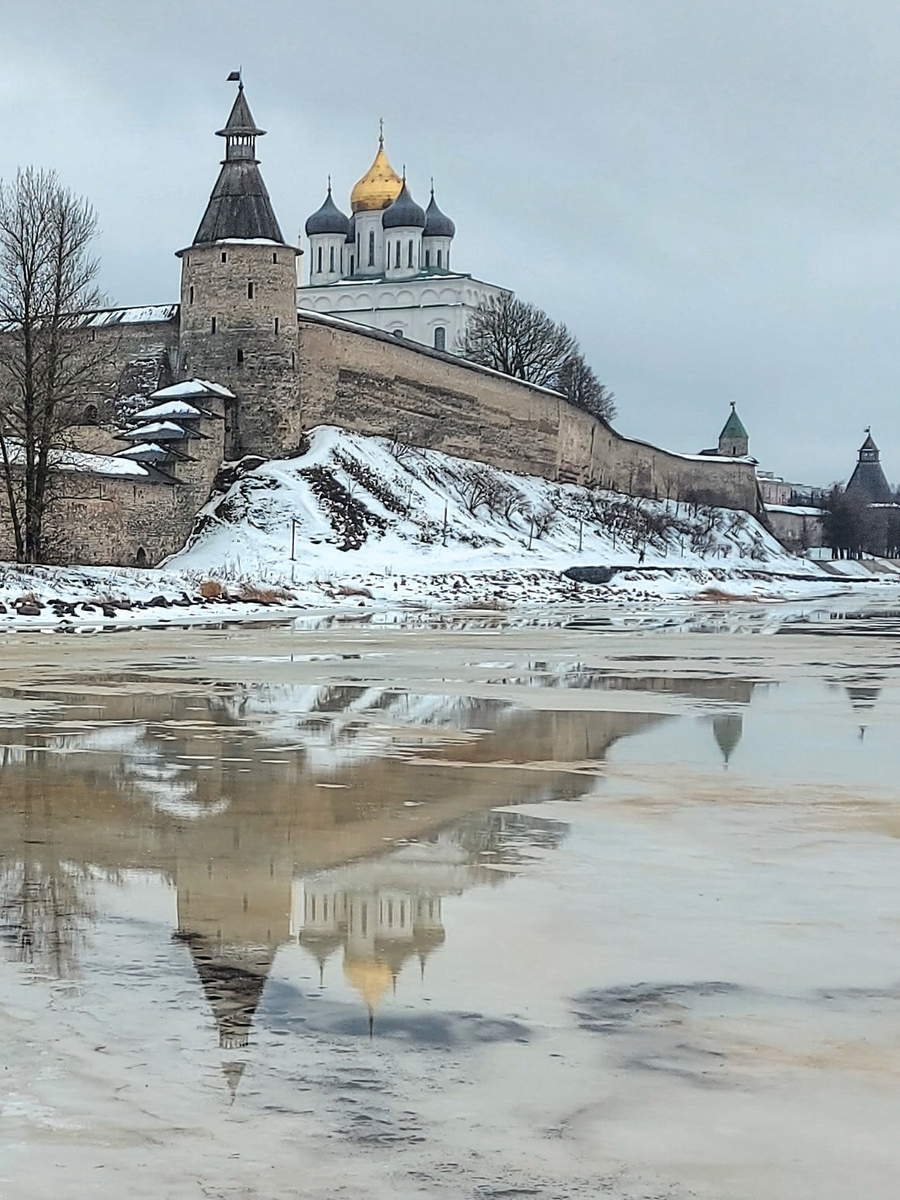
(388, 264)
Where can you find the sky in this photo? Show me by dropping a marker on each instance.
(706, 191)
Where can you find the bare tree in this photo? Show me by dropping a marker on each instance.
(46, 364)
(475, 486)
(518, 339)
(521, 340)
(578, 382)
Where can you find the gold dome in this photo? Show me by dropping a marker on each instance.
(370, 977)
(379, 187)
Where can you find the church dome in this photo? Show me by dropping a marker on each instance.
(404, 212)
(370, 977)
(328, 219)
(437, 224)
(379, 187)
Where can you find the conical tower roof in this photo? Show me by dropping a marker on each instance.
(734, 426)
(239, 206)
(379, 187)
(728, 731)
(240, 119)
(868, 479)
(233, 980)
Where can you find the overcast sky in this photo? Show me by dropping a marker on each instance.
(706, 191)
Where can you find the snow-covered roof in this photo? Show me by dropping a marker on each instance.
(259, 241)
(145, 448)
(99, 464)
(192, 387)
(173, 408)
(797, 509)
(128, 316)
(167, 430)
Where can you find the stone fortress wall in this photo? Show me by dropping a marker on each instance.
(373, 383)
(238, 325)
(326, 371)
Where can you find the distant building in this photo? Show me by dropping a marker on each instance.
(734, 441)
(868, 480)
(387, 265)
(773, 489)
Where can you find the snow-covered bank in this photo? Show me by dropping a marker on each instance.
(365, 522)
(103, 597)
(409, 524)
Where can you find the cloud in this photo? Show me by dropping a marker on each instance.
(706, 192)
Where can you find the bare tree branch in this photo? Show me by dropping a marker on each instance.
(521, 340)
(46, 364)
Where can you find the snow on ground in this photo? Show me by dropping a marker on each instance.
(408, 523)
(366, 522)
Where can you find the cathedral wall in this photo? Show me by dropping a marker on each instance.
(374, 384)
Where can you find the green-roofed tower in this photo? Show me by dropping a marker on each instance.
(734, 441)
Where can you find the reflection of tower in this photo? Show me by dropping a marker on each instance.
(728, 731)
(863, 697)
(233, 913)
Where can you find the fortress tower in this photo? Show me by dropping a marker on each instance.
(734, 441)
(238, 299)
(868, 480)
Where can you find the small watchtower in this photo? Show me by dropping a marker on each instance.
(868, 479)
(734, 441)
(238, 321)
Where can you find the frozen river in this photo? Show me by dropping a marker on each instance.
(453, 908)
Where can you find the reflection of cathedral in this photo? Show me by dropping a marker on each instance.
(189, 786)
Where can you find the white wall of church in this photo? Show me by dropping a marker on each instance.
(416, 309)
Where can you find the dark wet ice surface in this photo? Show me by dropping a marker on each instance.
(470, 912)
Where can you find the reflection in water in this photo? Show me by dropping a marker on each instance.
(336, 816)
(728, 731)
(387, 911)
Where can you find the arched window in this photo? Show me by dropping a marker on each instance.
(440, 338)
(277, 324)
(240, 358)
(397, 255)
(319, 260)
(410, 263)
(331, 259)
(249, 291)
(427, 258)
(90, 414)
(274, 258)
(352, 264)
(213, 325)
(440, 257)
(224, 256)
(371, 247)
(191, 295)
(140, 558)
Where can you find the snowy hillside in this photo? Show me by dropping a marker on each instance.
(367, 512)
